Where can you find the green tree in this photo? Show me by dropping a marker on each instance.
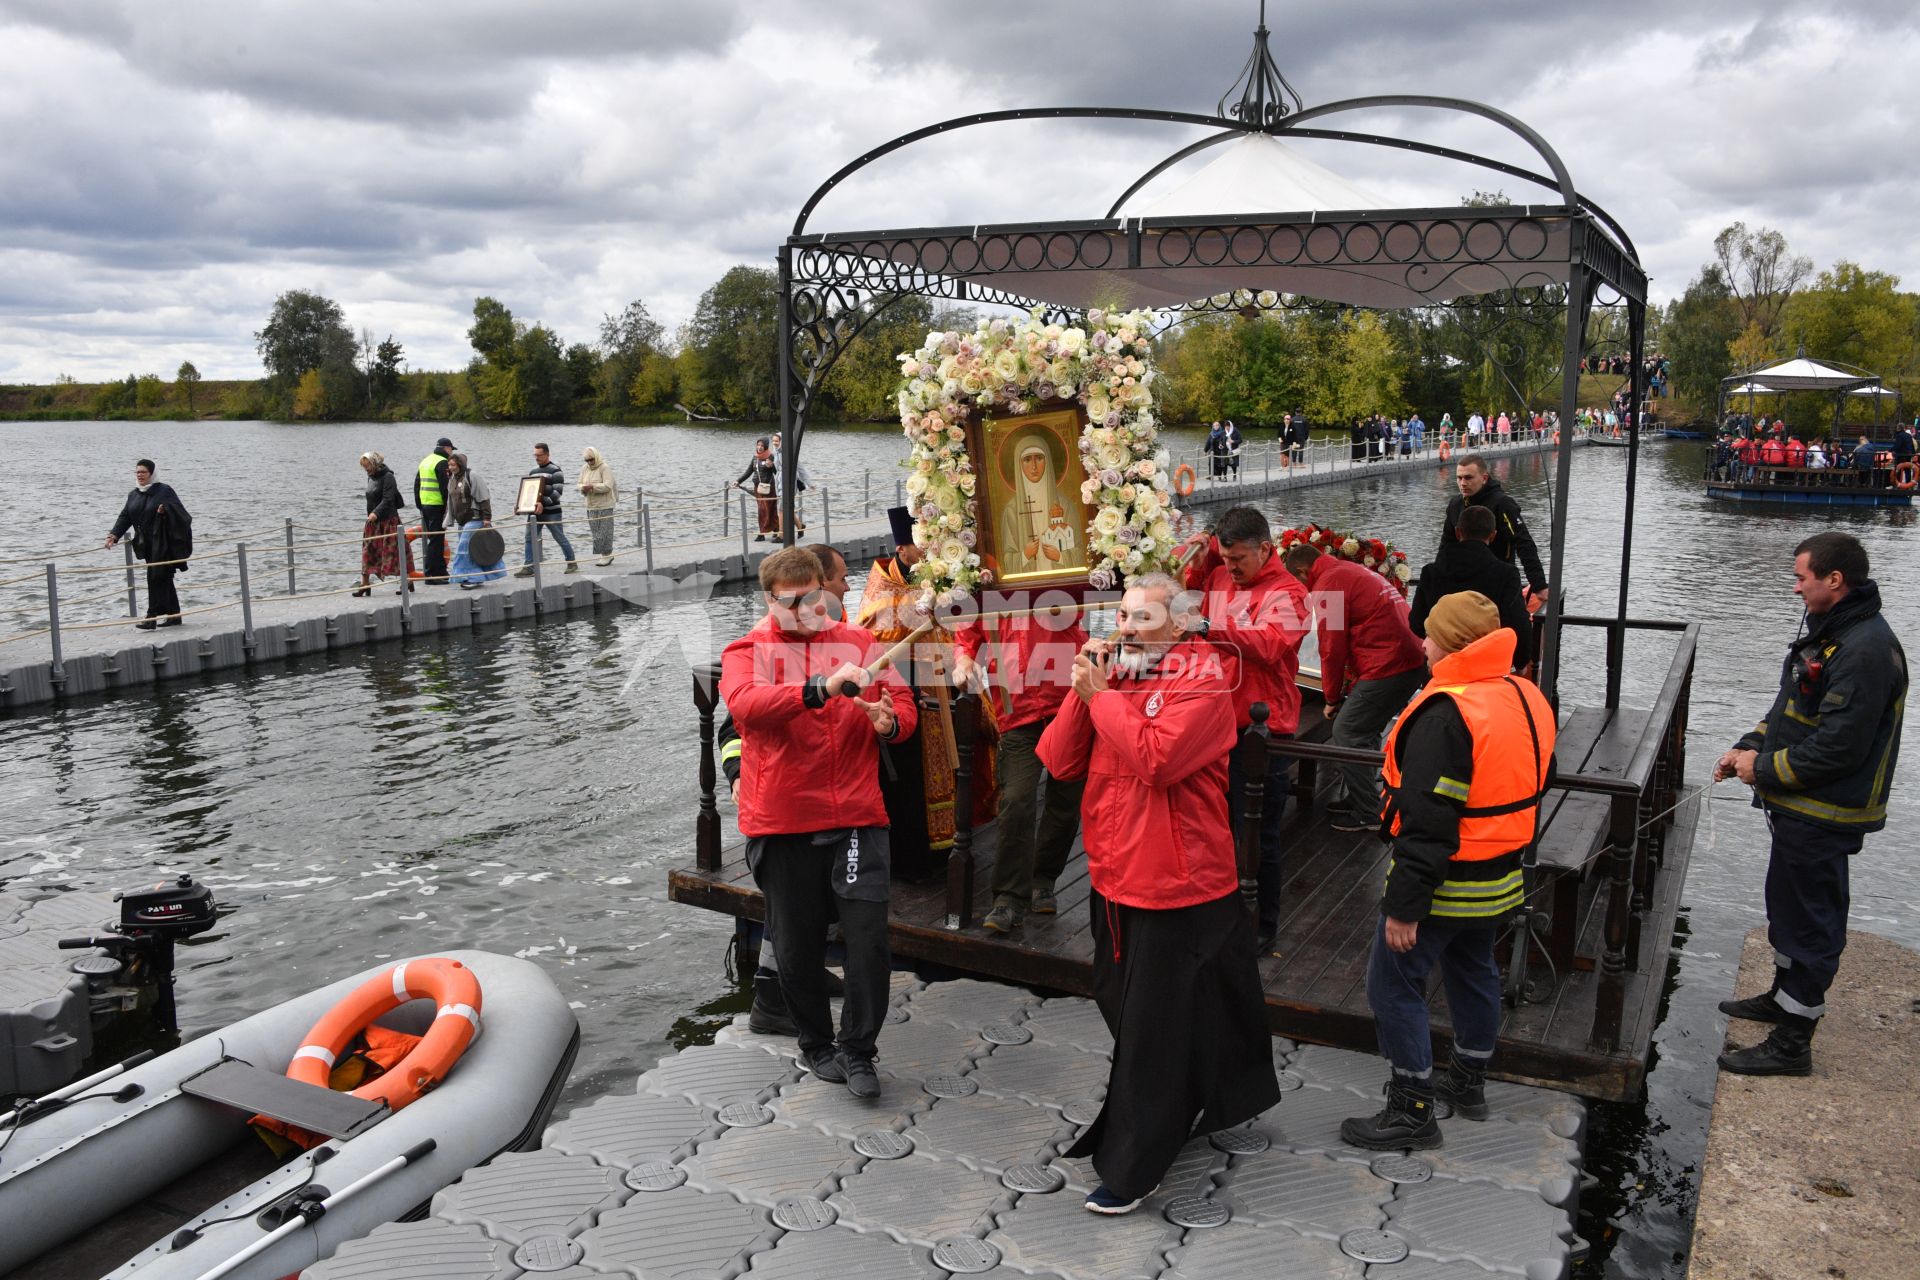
(185, 380)
(384, 374)
(1855, 315)
(627, 342)
(1760, 273)
(862, 385)
(149, 393)
(544, 380)
(1373, 370)
(493, 331)
(583, 370)
(733, 338)
(1699, 327)
(304, 331)
(656, 383)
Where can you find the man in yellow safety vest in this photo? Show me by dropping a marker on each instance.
(430, 495)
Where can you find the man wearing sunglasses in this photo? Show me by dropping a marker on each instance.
(811, 714)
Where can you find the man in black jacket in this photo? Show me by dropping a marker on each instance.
(1510, 533)
(1467, 563)
(1299, 434)
(547, 514)
(1820, 765)
(162, 531)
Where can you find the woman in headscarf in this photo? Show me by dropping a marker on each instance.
(470, 508)
(380, 547)
(1036, 531)
(762, 480)
(596, 483)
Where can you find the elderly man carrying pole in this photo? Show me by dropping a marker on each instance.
(1149, 728)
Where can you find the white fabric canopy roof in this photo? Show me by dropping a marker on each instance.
(1257, 174)
(1802, 374)
(1751, 389)
(1873, 391)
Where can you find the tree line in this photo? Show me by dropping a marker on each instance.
(1754, 302)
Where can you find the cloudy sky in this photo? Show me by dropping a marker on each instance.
(169, 168)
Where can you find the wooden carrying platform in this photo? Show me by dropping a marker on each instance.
(1584, 992)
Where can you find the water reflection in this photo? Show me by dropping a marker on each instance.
(525, 788)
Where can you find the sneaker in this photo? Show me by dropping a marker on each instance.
(1044, 903)
(1757, 1008)
(862, 1080)
(1346, 820)
(1787, 1051)
(1002, 919)
(524, 571)
(1111, 1204)
(825, 1063)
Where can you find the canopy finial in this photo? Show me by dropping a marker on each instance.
(1263, 92)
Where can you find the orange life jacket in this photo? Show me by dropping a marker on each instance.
(1513, 733)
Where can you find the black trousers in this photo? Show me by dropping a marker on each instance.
(796, 876)
(433, 520)
(1807, 895)
(162, 599)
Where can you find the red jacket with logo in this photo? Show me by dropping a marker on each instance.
(1262, 624)
(1153, 751)
(1033, 662)
(807, 767)
(1374, 639)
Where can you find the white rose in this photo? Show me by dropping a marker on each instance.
(1089, 490)
(1111, 455)
(916, 484)
(947, 500)
(1350, 547)
(1403, 571)
(956, 522)
(1109, 521)
(1132, 561)
(953, 552)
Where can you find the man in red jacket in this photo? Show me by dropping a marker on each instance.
(1174, 973)
(1032, 659)
(1371, 664)
(1258, 612)
(810, 804)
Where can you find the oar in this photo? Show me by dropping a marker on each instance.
(305, 1214)
(78, 1086)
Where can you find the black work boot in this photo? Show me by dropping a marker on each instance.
(1405, 1124)
(1787, 1050)
(1760, 1008)
(769, 1016)
(1464, 1088)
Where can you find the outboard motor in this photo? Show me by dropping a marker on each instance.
(140, 950)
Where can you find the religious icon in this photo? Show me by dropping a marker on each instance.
(528, 496)
(1033, 524)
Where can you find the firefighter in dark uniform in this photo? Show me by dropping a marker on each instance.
(1820, 765)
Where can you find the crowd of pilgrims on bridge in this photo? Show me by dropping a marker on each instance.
(838, 745)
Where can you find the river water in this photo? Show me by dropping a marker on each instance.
(526, 790)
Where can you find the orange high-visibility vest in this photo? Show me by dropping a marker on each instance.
(1500, 802)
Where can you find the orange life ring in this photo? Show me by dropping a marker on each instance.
(413, 531)
(1556, 437)
(1183, 480)
(1906, 475)
(454, 991)
(1446, 451)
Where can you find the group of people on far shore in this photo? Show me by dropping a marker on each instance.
(456, 513)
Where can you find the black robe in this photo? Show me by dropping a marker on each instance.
(1191, 1049)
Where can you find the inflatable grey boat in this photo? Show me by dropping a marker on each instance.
(152, 1169)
